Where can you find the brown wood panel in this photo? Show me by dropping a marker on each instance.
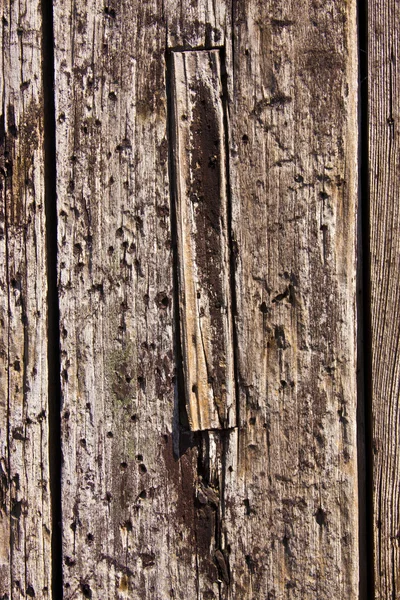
(267, 509)
(291, 502)
(25, 520)
(384, 172)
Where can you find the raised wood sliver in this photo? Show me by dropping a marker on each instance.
(201, 195)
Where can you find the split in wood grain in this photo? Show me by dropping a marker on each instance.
(203, 238)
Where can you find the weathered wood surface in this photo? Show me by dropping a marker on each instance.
(267, 509)
(127, 504)
(292, 499)
(203, 263)
(25, 521)
(384, 172)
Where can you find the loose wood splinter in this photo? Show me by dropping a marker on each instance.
(200, 165)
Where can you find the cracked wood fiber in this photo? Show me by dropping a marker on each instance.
(268, 508)
(384, 171)
(203, 239)
(25, 520)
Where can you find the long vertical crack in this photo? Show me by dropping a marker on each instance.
(53, 336)
(180, 419)
(231, 238)
(366, 523)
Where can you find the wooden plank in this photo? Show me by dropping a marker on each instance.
(203, 239)
(384, 170)
(132, 528)
(25, 520)
(291, 515)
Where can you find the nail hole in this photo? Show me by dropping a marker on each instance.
(109, 12)
(128, 525)
(86, 591)
(320, 517)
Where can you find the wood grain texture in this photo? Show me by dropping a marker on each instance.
(25, 520)
(205, 305)
(291, 503)
(131, 528)
(267, 509)
(384, 170)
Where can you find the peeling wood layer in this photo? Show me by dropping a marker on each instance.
(203, 239)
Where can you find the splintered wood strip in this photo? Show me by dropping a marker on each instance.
(203, 239)
(384, 184)
(25, 519)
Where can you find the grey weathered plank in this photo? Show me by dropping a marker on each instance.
(205, 305)
(384, 170)
(131, 528)
(25, 520)
(267, 509)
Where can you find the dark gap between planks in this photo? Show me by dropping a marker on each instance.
(53, 335)
(365, 456)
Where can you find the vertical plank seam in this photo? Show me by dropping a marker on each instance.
(367, 587)
(53, 334)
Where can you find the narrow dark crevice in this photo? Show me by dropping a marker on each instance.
(53, 336)
(232, 242)
(365, 441)
(182, 435)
